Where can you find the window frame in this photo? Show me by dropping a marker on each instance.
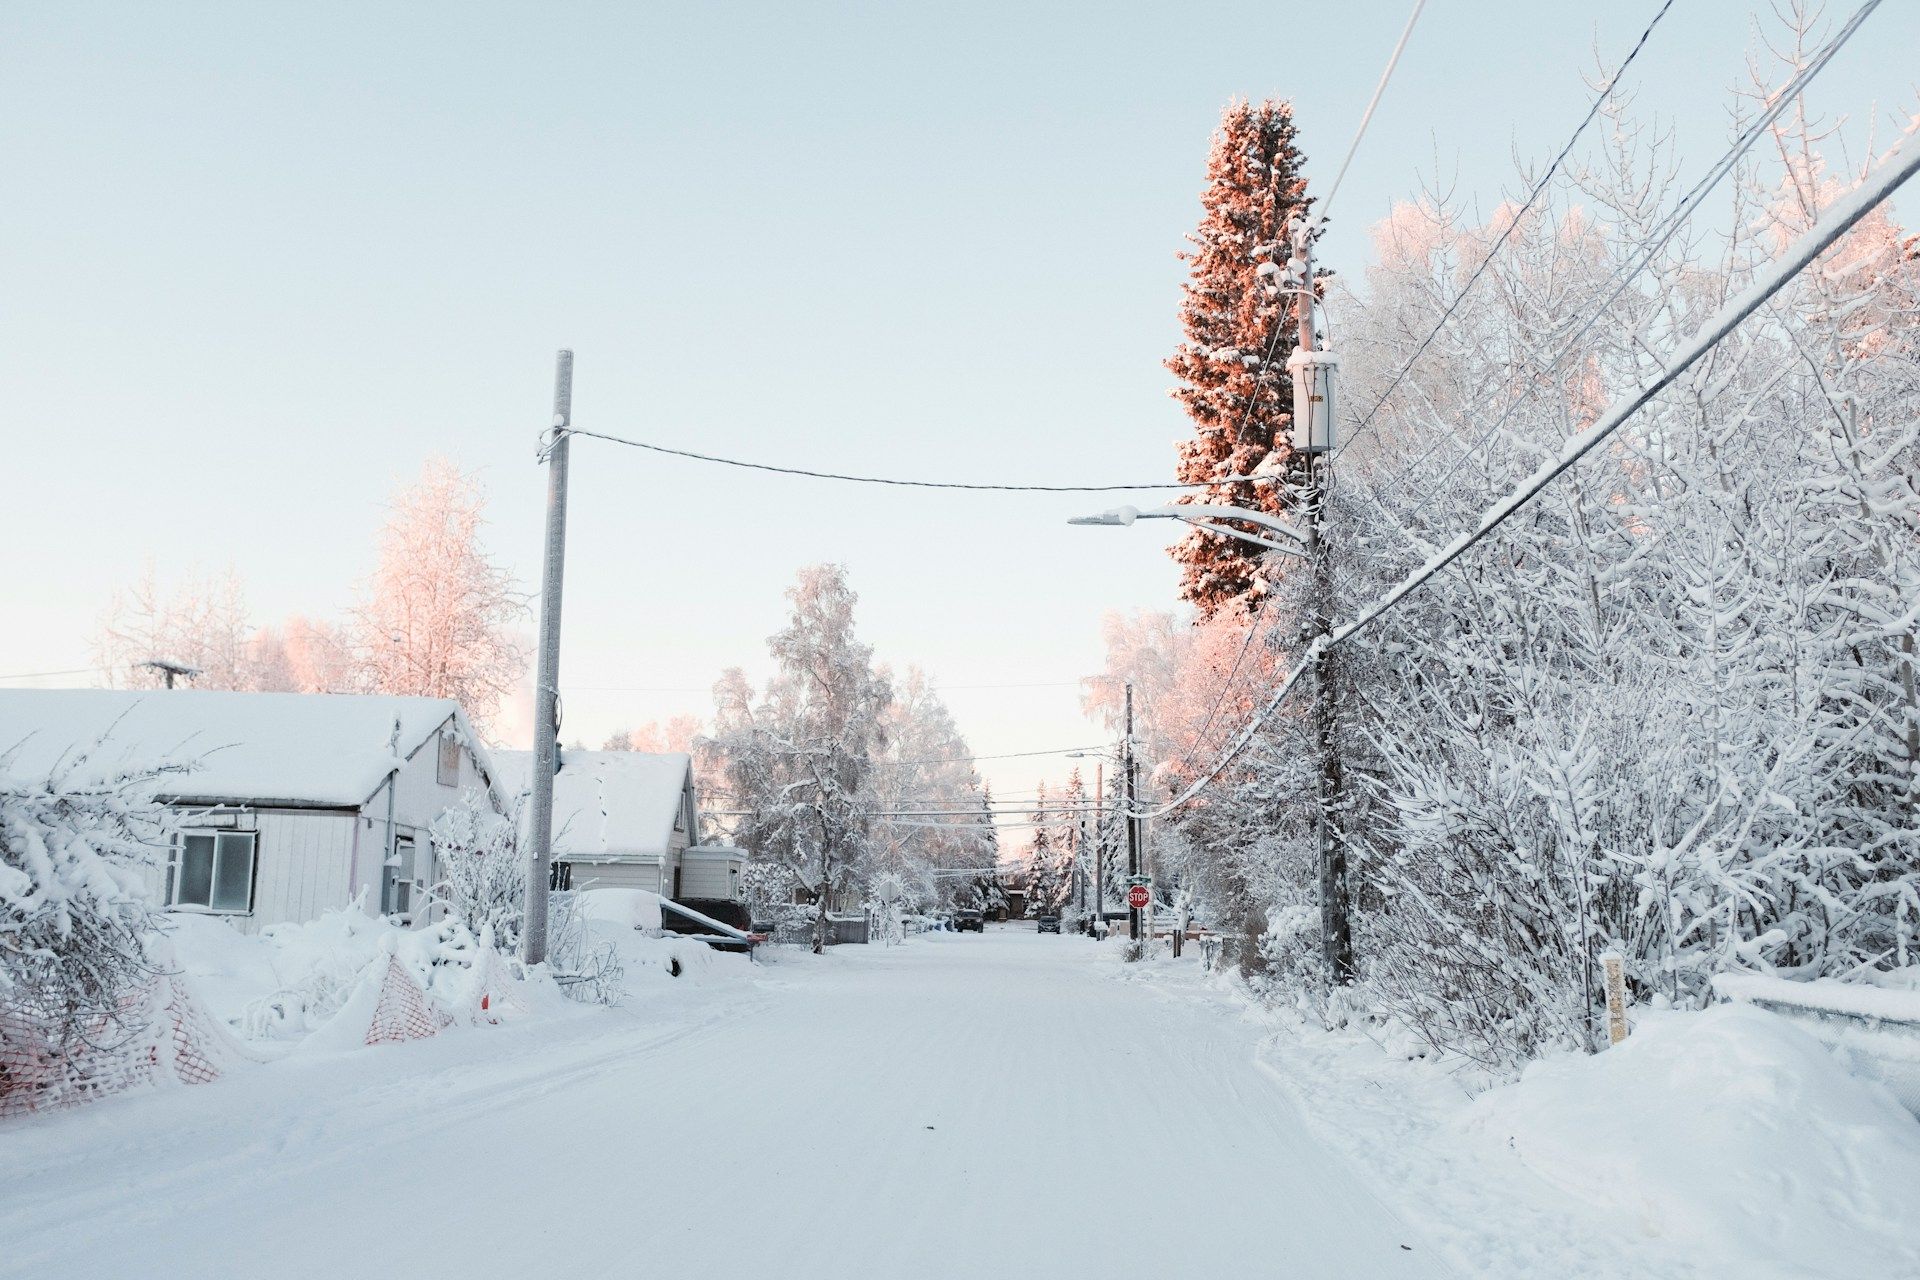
(176, 861)
(447, 760)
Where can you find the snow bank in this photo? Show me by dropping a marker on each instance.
(1730, 1131)
(632, 908)
(1826, 995)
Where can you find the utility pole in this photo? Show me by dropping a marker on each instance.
(1133, 821)
(546, 690)
(1313, 440)
(1100, 850)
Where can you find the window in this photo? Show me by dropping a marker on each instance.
(396, 879)
(212, 870)
(449, 760)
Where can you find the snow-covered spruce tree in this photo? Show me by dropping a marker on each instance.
(799, 758)
(77, 850)
(435, 618)
(1042, 864)
(1232, 362)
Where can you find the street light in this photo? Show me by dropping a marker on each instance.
(1202, 515)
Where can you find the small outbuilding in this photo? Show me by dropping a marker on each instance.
(291, 804)
(630, 820)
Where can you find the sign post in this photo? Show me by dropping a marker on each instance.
(1616, 970)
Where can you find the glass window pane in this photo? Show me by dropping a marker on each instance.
(196, 871)
(233, 878)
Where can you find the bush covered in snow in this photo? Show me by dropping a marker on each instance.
(483, 870)
(76, 850)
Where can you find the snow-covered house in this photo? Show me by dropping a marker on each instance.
(292, 804)
(629, 820)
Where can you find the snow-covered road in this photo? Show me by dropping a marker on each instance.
(959, 1106)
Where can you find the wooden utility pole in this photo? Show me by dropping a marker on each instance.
(546, 689)
(1313, 440)
(1100, 850)
(1133, 819)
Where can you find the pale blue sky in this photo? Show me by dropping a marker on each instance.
(258, 260)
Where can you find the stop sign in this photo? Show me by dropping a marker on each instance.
(1138, 897)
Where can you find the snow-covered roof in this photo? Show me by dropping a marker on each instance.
(296, 749)
(608, 804)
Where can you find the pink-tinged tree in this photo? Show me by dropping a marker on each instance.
(202, 623)
(435, 618)
(1239, 327)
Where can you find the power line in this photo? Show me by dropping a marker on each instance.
(913, 484)
(1513, 223)
(1010, 755)
(1899, 165)
(1669, 228)
(1366, 117)
(36, 675)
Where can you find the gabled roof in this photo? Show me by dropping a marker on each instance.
(329, 750)
(608, 803)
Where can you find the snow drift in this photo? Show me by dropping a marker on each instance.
(1731, 1131)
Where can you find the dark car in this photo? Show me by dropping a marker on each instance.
(965, 920)
(1048, 923)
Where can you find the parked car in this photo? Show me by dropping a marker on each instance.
(965, 920)
(1048, 923)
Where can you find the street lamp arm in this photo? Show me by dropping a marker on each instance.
(1188, 510)
(1244, 536)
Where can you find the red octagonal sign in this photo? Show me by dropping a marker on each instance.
(1138, 897)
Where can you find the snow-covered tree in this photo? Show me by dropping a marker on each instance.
(202, 623)
(1239, 330)
(77, 850)
(676, 733)
(798, 759)
(435, 617)
(483, 870)
(1668, 708)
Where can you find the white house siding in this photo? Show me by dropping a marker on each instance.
(302, 862)
(303, 865)
(617, 875)
(418, 798)
(710, 876)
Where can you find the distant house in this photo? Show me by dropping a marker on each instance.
(629, 820)
(294, 803)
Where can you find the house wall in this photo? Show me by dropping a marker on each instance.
(706, 877)
(617, 875)
(418, 798)
(302, 862)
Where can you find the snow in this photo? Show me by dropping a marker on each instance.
(1826, 995)
(1729, 1131)
(607, 803)
(798, 1117)
(906, 1110)
(296, 748)
(633, 908)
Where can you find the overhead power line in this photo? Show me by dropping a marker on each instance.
(1899, 165)
(901, 482)
(36, 675)
(1665, 232)
(1513, 223)
(1366, 117)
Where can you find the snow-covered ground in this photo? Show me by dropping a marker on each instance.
(952, 1107)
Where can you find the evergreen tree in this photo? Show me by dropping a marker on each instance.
(1239, 327)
